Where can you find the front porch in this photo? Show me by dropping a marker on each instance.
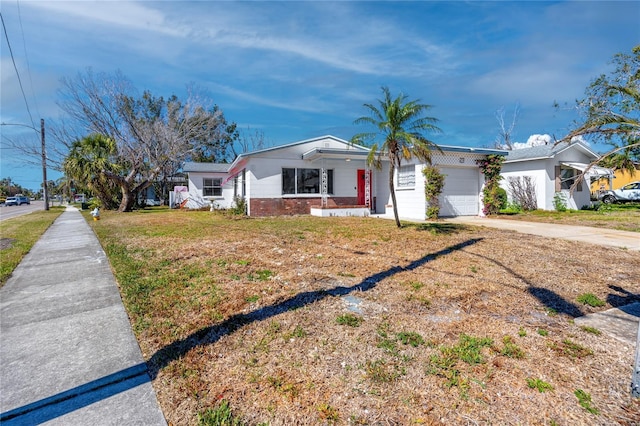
(334, 211)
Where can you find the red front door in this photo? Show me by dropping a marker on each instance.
(361, 187)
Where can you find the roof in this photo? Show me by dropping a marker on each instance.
(316, 153)
(351, 146)
(542, 152)
(470, 150)
(205, 167)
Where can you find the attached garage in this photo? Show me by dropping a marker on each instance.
(461, 193)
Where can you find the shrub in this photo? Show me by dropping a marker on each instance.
(501, 195)
(239, 206)
(523, 192)
(492, 196)
(559, 202)
(434, 182)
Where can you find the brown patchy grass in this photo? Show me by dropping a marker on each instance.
(259, 313)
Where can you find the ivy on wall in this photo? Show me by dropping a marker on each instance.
(490, 168)
(434, 183)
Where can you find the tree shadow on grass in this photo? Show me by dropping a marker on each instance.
(623, 299)
(548, 298)
(211, 334)
(438, 228)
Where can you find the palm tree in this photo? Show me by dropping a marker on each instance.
(89, 160)
(401, 123)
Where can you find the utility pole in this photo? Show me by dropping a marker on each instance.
(44, 159)
(44, 168)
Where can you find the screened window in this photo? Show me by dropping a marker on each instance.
(407, 176)
(212, 187)
(305, 181)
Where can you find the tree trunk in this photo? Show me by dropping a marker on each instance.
(393, 193)
(128, 199)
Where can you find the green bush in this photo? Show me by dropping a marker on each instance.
(434, 182)
(501, 197)
(239, 206)
(559, 202)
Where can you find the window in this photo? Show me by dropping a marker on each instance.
(407, 176)
(568, 178)
(212, 187)
(305, 181)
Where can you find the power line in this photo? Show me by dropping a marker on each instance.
(26, 57)
(16, 68)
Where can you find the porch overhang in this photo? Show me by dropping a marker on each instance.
(335, 154)
(594, 171)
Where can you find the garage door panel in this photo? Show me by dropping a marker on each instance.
(460, 193)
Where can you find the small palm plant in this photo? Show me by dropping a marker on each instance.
(400, 122)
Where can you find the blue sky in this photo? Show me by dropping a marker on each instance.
(296, 70)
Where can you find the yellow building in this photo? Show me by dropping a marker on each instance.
(620, 179)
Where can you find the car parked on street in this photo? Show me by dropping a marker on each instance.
(629, 192)
(18, 200)
(11, 201)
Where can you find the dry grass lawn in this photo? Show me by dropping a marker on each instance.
(350, 321)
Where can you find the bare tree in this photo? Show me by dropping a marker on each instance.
(523, 192)
(503, 140)
(152, 134)
(249, 141)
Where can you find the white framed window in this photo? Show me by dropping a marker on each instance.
(407, 176)
(212, 187)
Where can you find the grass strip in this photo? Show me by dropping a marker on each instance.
(19, 234)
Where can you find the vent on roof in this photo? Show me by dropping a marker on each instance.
(327, 145)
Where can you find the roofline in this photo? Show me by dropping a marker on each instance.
(316, 153)
(185, 170)
(273, 148)
(471, 150)
(576, 144)
(526, 159)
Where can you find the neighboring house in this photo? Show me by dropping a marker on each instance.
(554, 169)
(210, 182)
(152, 195)
(328, 176)
(620, 179)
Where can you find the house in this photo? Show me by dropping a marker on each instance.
(554, 169)
(620, 179)
(208, 182)
(328, 176)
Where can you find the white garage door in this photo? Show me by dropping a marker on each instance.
(460, 196)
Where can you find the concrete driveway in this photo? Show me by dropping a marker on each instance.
(604, 237)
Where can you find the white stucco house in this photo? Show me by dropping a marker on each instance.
(209, 182)
(328, 176)
(554, 169)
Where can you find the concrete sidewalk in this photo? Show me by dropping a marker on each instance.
(585, 234)
(67, 352)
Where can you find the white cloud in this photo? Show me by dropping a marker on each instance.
(313, 106)
(534, 140)
(115, 13)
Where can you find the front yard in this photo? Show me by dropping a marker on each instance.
(624, 217)
(350, 321)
